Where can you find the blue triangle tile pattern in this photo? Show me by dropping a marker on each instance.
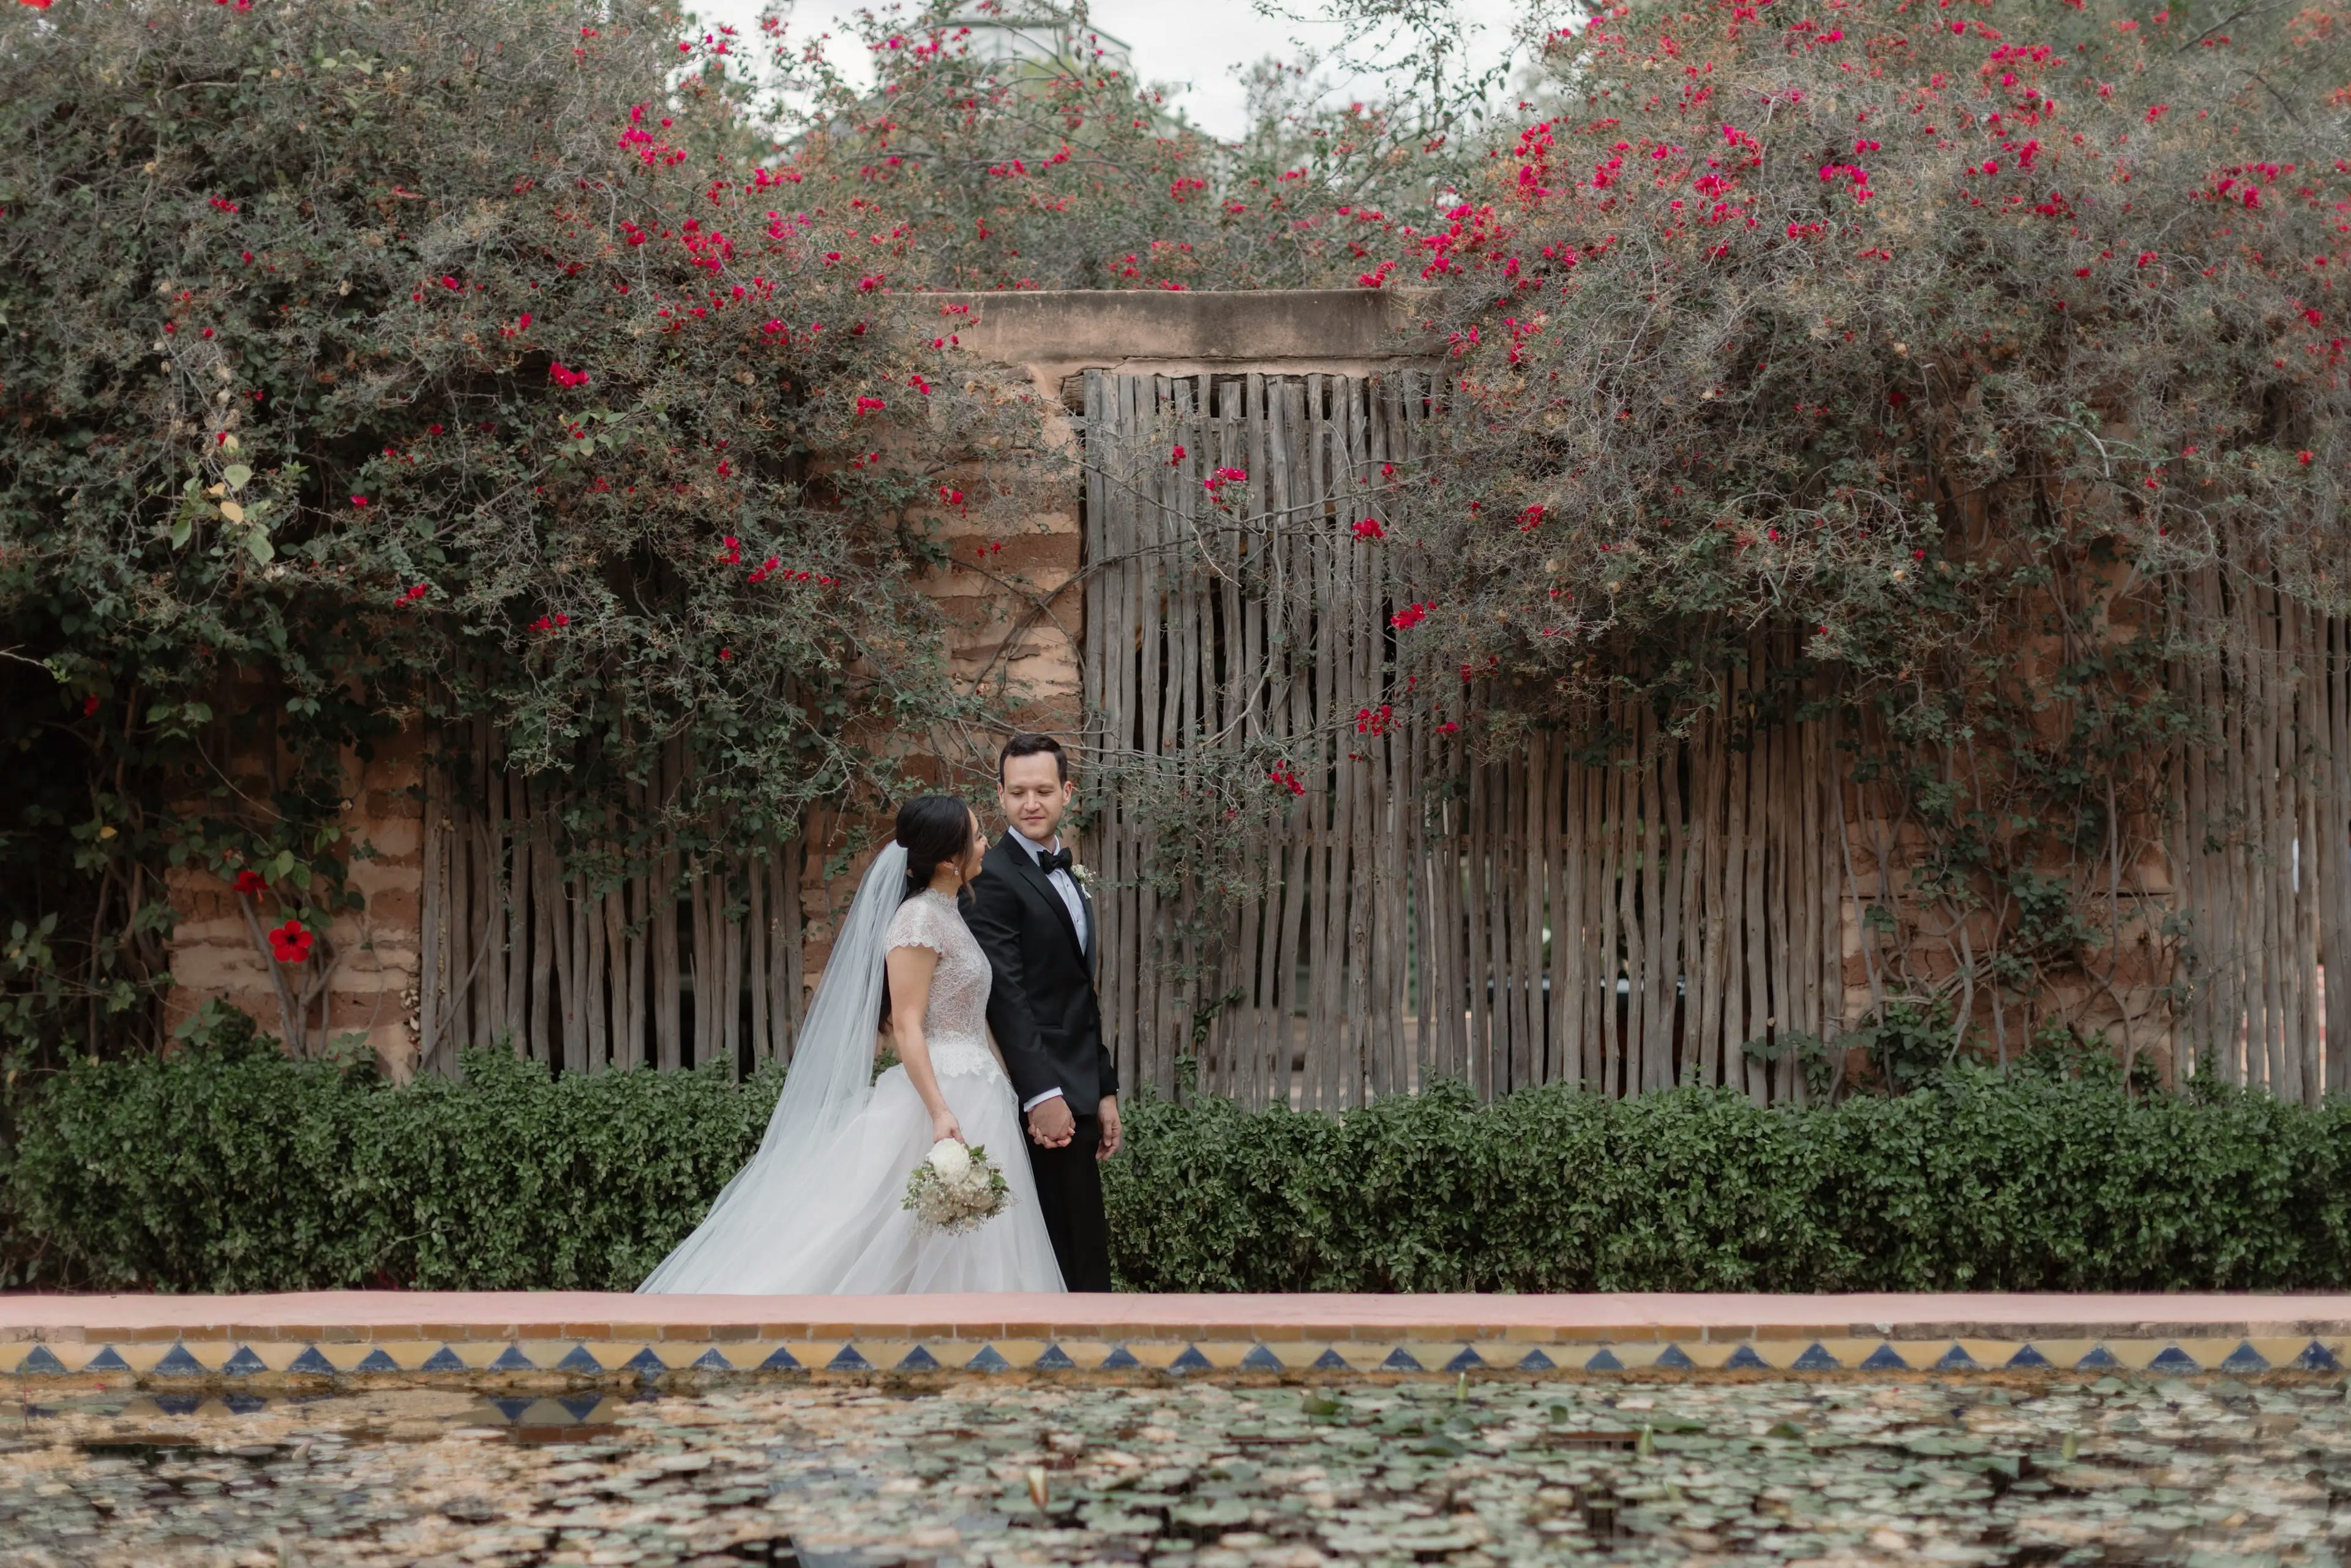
(1956, 1359)
(178, 1363)
(1885, 1358)
(243, 1364)
(1400, 1360)
(919, 1360)
(42, 1362)
(1744, 1359)
(1332, 1361)
(1260, 1359)
(512, 1409)
(2316, 1357)
(580, 1409)
(311, 1364)
(2026, 1356)
(990, 1359)
(1055, 1359)
(178, 1403)
(1468, 1361)
(442, 1360)
(2100, 1359)
(107, 1359)
(1603, 1360)
(848, 1360)
(2245, 1359)
(1190, 1360)
(1120, 1359)
(512, 1359)
(1536, 1360)
(379, 1359)
(645, 1363)
(780, 1360)
(1675, 1358)
(2171, 1358)
(1816, 1358)
(245, 1403)
(713, 1360)
(579, 1358)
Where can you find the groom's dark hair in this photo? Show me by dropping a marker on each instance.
(1030, 746)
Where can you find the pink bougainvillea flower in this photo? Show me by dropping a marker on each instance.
(359, 500)
(1369, 529)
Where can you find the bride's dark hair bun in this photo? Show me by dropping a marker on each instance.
(934, 830)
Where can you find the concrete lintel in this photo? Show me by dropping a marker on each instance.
(1280, 331)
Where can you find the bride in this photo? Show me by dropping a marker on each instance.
(817, 1212)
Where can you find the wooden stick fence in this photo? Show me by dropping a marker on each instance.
(679, 956)
(1629, 920)
(1627, 909)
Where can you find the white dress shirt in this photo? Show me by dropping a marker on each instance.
(1067, 886)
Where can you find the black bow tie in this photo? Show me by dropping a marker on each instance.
(1050, 861)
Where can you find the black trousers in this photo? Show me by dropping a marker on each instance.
(1068, 1191)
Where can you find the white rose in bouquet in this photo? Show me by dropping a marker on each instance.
(950, 1158)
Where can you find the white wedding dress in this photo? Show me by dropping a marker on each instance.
(819, 1210)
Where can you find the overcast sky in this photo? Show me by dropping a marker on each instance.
(1206, 44)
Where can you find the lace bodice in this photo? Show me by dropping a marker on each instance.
(954, 1024)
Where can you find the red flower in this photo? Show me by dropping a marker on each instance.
(89, 705)
(249, 883)
(1369, 529)
(289, 942)
(2304, 458)
(870, 405)
(359, 500)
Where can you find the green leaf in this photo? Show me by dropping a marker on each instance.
(257, 544)
(235, 475)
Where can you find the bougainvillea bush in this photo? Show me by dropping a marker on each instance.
(479, 360)
(1856, 316)
(1976, 370)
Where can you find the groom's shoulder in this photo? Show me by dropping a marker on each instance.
(996, 866)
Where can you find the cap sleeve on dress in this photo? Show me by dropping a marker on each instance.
(916, 924)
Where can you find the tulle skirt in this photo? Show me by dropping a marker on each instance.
(847, 1233)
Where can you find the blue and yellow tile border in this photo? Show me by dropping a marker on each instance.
(552, 1356)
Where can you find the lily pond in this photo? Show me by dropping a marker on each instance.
(2211, 1473)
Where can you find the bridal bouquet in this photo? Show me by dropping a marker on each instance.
(956, 1189)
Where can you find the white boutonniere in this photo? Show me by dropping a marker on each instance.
(1085, 878)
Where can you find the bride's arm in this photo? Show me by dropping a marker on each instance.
(910, 970)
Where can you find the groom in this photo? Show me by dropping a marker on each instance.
(1037, 925)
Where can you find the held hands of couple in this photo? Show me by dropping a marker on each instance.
(1051, 1125)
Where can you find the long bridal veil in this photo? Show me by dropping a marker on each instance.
(831, 1074)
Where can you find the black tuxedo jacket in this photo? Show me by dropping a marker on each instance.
(1041, 1006)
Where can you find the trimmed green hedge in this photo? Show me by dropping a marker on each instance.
(237, 1170)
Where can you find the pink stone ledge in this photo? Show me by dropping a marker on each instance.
(349, 1316)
